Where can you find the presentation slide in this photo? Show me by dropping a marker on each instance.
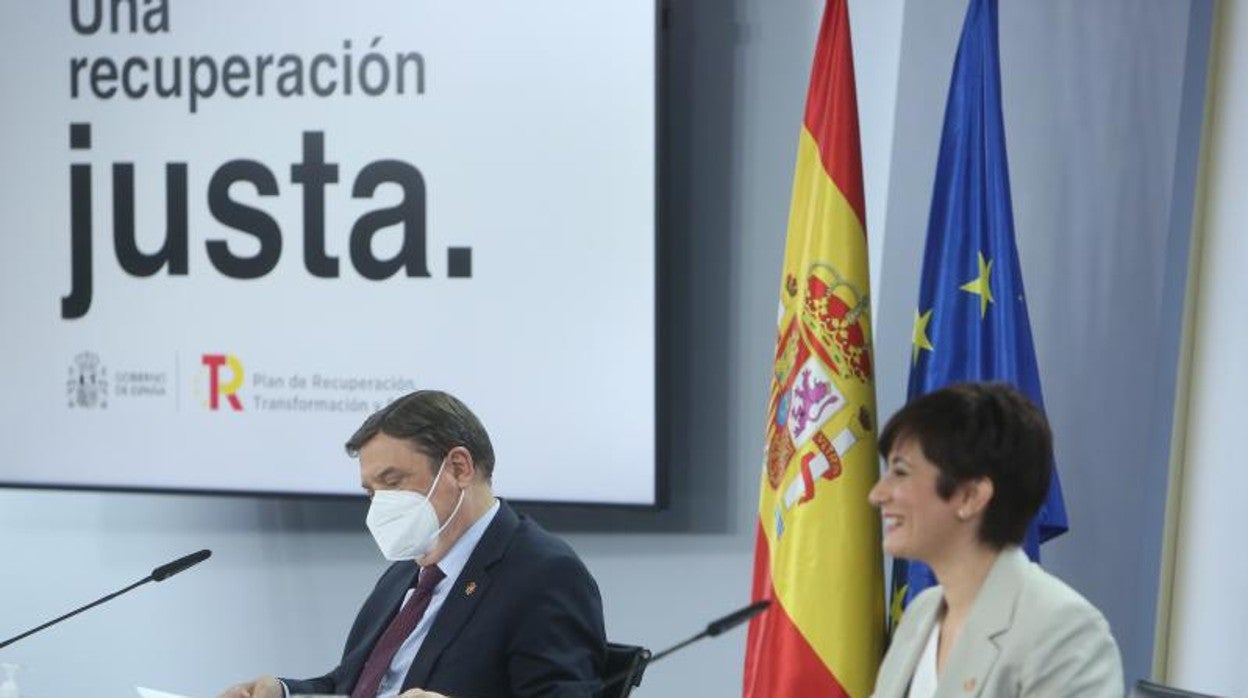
(232, 230)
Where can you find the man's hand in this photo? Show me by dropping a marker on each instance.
(263, 687)
(419, 693)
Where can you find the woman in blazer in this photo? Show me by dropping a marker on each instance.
(967, 469)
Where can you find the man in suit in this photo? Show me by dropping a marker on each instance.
(480, 600)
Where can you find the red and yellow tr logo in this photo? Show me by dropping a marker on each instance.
(216, 387)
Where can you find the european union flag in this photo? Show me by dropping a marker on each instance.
(971, 323)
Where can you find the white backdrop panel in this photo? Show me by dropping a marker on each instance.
(515, 184)
(1208, 633)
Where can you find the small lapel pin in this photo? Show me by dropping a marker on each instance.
(470, 588)
(969, 685)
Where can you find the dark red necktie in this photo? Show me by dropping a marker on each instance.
(402, 626)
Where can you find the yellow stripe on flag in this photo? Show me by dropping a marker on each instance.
(823, 536)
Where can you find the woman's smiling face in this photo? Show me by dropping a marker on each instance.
(918, 523)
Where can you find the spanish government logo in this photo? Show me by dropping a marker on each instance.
(87, 385)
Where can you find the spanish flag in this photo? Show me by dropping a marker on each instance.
(818, 548)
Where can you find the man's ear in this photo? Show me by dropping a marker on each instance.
(461, 466)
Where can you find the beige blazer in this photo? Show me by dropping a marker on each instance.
(1028, 634)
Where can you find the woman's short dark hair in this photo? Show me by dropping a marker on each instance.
(975, 430)
(434, 422)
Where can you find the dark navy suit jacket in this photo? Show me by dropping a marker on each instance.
(524, 619)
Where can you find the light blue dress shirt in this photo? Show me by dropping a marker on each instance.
(451, 564)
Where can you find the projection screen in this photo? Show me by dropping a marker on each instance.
(232, 230)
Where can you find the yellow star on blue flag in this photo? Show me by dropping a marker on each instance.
(981, 285)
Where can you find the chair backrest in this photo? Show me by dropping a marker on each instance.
(625, 666)
(1148, 689)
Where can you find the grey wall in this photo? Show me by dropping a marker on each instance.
(1094, 182)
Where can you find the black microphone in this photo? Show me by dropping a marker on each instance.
(158, 575)
(718, 626)
(169, 569)
(736, 618)
(714, 628)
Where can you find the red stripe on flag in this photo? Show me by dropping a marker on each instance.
(832, 107)
(778, 660)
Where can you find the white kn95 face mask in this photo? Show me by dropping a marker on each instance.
(404, 523)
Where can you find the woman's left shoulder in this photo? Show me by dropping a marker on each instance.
(1067, 645)
(1044, 593)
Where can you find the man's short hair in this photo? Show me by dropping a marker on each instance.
(434, 422)
(975, 430)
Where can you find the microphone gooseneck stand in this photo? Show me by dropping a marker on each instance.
(712, 629)
(159, 574)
